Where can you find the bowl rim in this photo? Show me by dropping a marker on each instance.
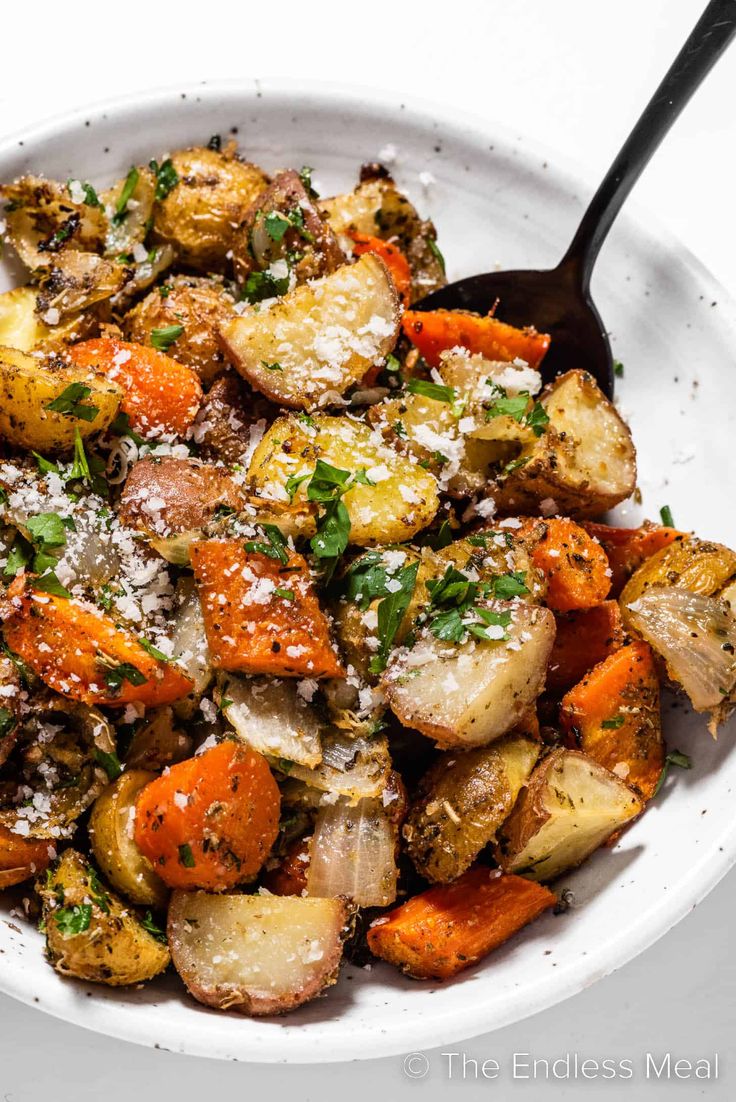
(104, 1015)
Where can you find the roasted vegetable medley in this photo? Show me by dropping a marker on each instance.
(315, 643)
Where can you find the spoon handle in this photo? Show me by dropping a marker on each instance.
(707, 41)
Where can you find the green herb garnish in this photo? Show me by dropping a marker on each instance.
(675, 757)
(70, 403)
(71, 921)
(121, 207)
(162, 339)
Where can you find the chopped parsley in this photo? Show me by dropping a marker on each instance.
(517, 407)
(618, 369)
(186, 857)
(666, 514)
(276, 225)
(261, 285)
(121, 427)
(154, 651)
(391, 611)
(675, 757)
(110, 762)
(71, 921)
(121, 207)
(285, 594)
(49, 583)
(115, 675)
(91, 198)
(7, 722)
(53, 243)
(305, 175)
(293, 483)
(162, 339)
(613, 723)
(274, 546)
(326, 487)
(166, 177)
(70, 402)
(438, 392)
(150, 927)
(454, 612)
(275, 366)
(435, 251)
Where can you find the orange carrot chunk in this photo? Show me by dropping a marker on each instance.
(436, 330)
(83, 654)
(161, 396)
(613, 716)
(584, 638)
(573, 562)
(391, 256)
(438, 933)
(261, 615)
(21, 858)
(210, 821)
(628, 548)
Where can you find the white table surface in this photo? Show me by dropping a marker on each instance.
(574, 75)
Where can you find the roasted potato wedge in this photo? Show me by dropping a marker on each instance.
(308, 348)
(21, 327)
(28, 385)
(115, 851)
(585, 462)
(284, 223)
(687, 563)
(569, 808)
(93, 935)
(257, 954)
(271, 717)
(463, 800)
(402, 501)
(468, 694)
(376, 207)
(200, 214)
(200, 306)
(166, 497)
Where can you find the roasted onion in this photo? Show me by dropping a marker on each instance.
(352, 854)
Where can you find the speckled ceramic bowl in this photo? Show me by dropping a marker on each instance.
(495, 201)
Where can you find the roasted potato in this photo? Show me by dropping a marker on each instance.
(569, 808)
(583, 464)
(167, 497)
(93, 935)
(376, 207)
(463, 800)
(306, 349)
(284, 224)
(688, 563)
(232, 419)
(402, 501)
(200, 306)
(257, 954)
(111, 836)
(28, 386)
(468, 694)
(199, 215)
(270, 716)
(21, 327)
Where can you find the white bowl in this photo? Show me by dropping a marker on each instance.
(495, 201)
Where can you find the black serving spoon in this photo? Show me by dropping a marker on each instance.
(558, 301)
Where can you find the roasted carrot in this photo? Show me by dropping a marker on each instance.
(21, 858)
(83, 654)
(261, 614)
(613, 715)
(584, 638)
(210, 821)
(161, 396)
(436, 330)
(573, 562)
(438, 933)
(391, 256)
(289, 874)
(628, 548)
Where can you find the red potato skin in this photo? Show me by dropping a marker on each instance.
(223, 804)
(435, 331)
(64, 642)
(191, 492)
(161, 396)
(444, 930)
(276, 636)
